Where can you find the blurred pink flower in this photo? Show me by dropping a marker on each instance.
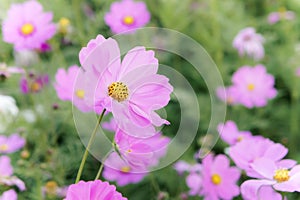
(27, 26)
(6, 172)
(9, 195)
(264, 192)
(246, 152)
(64, 86)
(131, 90)
(250, 43)
(93, 190)
(227, 95)
(230, 134)
(7, 71)
(5, 167)
(182, 166)
(298, 72)
(218, 178)
(127, 15)
(123, 173)
(275, 17)
(253, 86)
(33, 83)
(11, 143)
(277, 176)
(194, 182)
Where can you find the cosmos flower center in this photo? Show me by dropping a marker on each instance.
(240, 138)
(125, 169)
(63, 25)
(51, 187)
(27, 29)
(80, 93)
(281, 175)
(118, 91)
(128, 20)
(35, 87)
(3, 147)
(251, 87)
(216, 179)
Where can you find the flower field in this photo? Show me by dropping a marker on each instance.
(153, 99)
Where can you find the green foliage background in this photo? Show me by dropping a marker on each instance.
(52, 140)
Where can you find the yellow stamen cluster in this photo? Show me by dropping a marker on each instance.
(118, 91)
(35, 87)
(216, 179)
(251, 87)
(27, 29)
(63, 25)
(80, 94)
(125, 169)
(281, 175)
(51, 187)
(128, 20)
(3, 147)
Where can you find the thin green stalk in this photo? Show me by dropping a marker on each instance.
(88, 147)
(101, 167)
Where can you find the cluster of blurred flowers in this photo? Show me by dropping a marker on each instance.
(260, 158)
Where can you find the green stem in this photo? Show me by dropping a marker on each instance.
(88, 147)
(101, 167)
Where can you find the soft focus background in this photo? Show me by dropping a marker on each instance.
(53, 149)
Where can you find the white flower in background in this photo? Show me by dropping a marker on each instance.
(8, 111)
(26, 58)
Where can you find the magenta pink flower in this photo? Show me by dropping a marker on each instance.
(227, 95)
(9, 195)
(33, 83)
(131, 90)
(194, 182)
(11, 143)
(276, 175)
(246, 152)
(93, 190)
(27, 26)
(218, 178)
(230, 133)
(64, 86)
(253, 86)
(127, 15)
(123, 173)
(141, 152)
(182, 166)
(250, 43)
(275, 17)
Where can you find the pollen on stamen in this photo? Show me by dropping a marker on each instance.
(118, 91)
(3, 147)
(281, 175)
(251, 87)
(80, 94)
(125, 169)
(128, 20)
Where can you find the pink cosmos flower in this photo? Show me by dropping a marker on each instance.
(194, 182)
(64, 86)
(131, 90)
(9, 195)
(11, 143)
(33, 84)
(275, 17)
(182, 166)
(141, 152)
(6, 172)
(7, 71)
(6, 169)
(253, 86)
(227, 95)
(27, 26)
(230, 133)
(123, 173)
(276, 175)
(127, 15)
(93, 190)
(218, 178)
(250, 43)
(246, 152)
(264, 192)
